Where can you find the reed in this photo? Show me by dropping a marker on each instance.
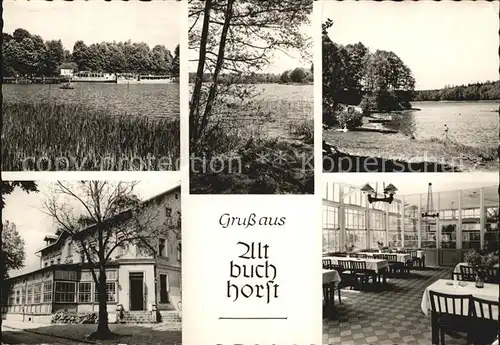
(50, 136)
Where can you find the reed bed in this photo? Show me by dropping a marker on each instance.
(49, 136)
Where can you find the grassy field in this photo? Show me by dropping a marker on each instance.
(48, 136)
(126, 334)
(399, 147)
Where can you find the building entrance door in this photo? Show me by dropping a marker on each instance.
(136, 281)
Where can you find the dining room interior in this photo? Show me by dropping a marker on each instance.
(410, 258)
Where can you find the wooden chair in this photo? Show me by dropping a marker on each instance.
(344, 269)
(394, 265)
(492, 276)
(452, 314)
(360, 272)
(485, 323)
(467, 273)
(363, 256)
(415, 259)
(327, 264)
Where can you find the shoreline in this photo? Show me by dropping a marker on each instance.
(433, 155)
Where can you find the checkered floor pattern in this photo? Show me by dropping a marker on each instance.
(391, 316)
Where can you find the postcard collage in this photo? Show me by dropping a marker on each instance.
(173, 171)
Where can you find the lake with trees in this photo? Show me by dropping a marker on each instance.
(372, 110)
(87, 125)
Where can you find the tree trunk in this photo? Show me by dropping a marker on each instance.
(218, 67)
(3, 270)
(103, 332)
(194, 107)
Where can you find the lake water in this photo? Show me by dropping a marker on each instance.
(473, 123)
(283, 104)
(161, 100)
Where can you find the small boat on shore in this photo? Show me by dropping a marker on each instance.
(66, 86)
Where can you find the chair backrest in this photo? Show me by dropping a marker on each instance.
(358, 265)
(442, 303)
(338, 268)
(345, 264)
(327, 264)
(492, 276)
(467, 273)
(378, 256)
(363, 256)
(413, 253)
(391, 257)
(485, 309)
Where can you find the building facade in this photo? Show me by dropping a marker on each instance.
(137, 280)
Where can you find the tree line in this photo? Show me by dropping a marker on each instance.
(489, 90)
(298, 75)
(378, 81)
(26, 54)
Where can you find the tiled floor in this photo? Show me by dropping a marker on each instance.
(392, 316)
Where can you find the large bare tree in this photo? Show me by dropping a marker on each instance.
(101, 216)
(237, 37)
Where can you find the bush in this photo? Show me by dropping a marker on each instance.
(367, 104)
(350, 118)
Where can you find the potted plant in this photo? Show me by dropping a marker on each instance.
(380, 245)
(349, 248)
(480, 263)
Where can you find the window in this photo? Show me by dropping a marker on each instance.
(46, 263)
(65, 275)
(58, 261)
(51, 262)
(85, 292)
(176, 195)
(162, 248)
(179, 252)
(70, 249)
(29, 294)
(331, 229)
(37, 293)
(110, 292)
(65, 292)
(18, 296)
(47, 291)
(164, 288)
(168, 212)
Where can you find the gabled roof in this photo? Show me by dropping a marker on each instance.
(58, 238)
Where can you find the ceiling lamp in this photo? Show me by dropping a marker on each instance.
(429, 213)
(388, 193)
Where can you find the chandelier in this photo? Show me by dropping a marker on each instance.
(388, 193)
(429, 212)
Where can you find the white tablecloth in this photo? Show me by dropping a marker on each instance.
(400, 257)
(489, 292)
(331, 276)
(371, 264)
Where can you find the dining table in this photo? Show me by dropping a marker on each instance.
(400, 257)
(331, 279)
(489, 292)
(379, 266)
